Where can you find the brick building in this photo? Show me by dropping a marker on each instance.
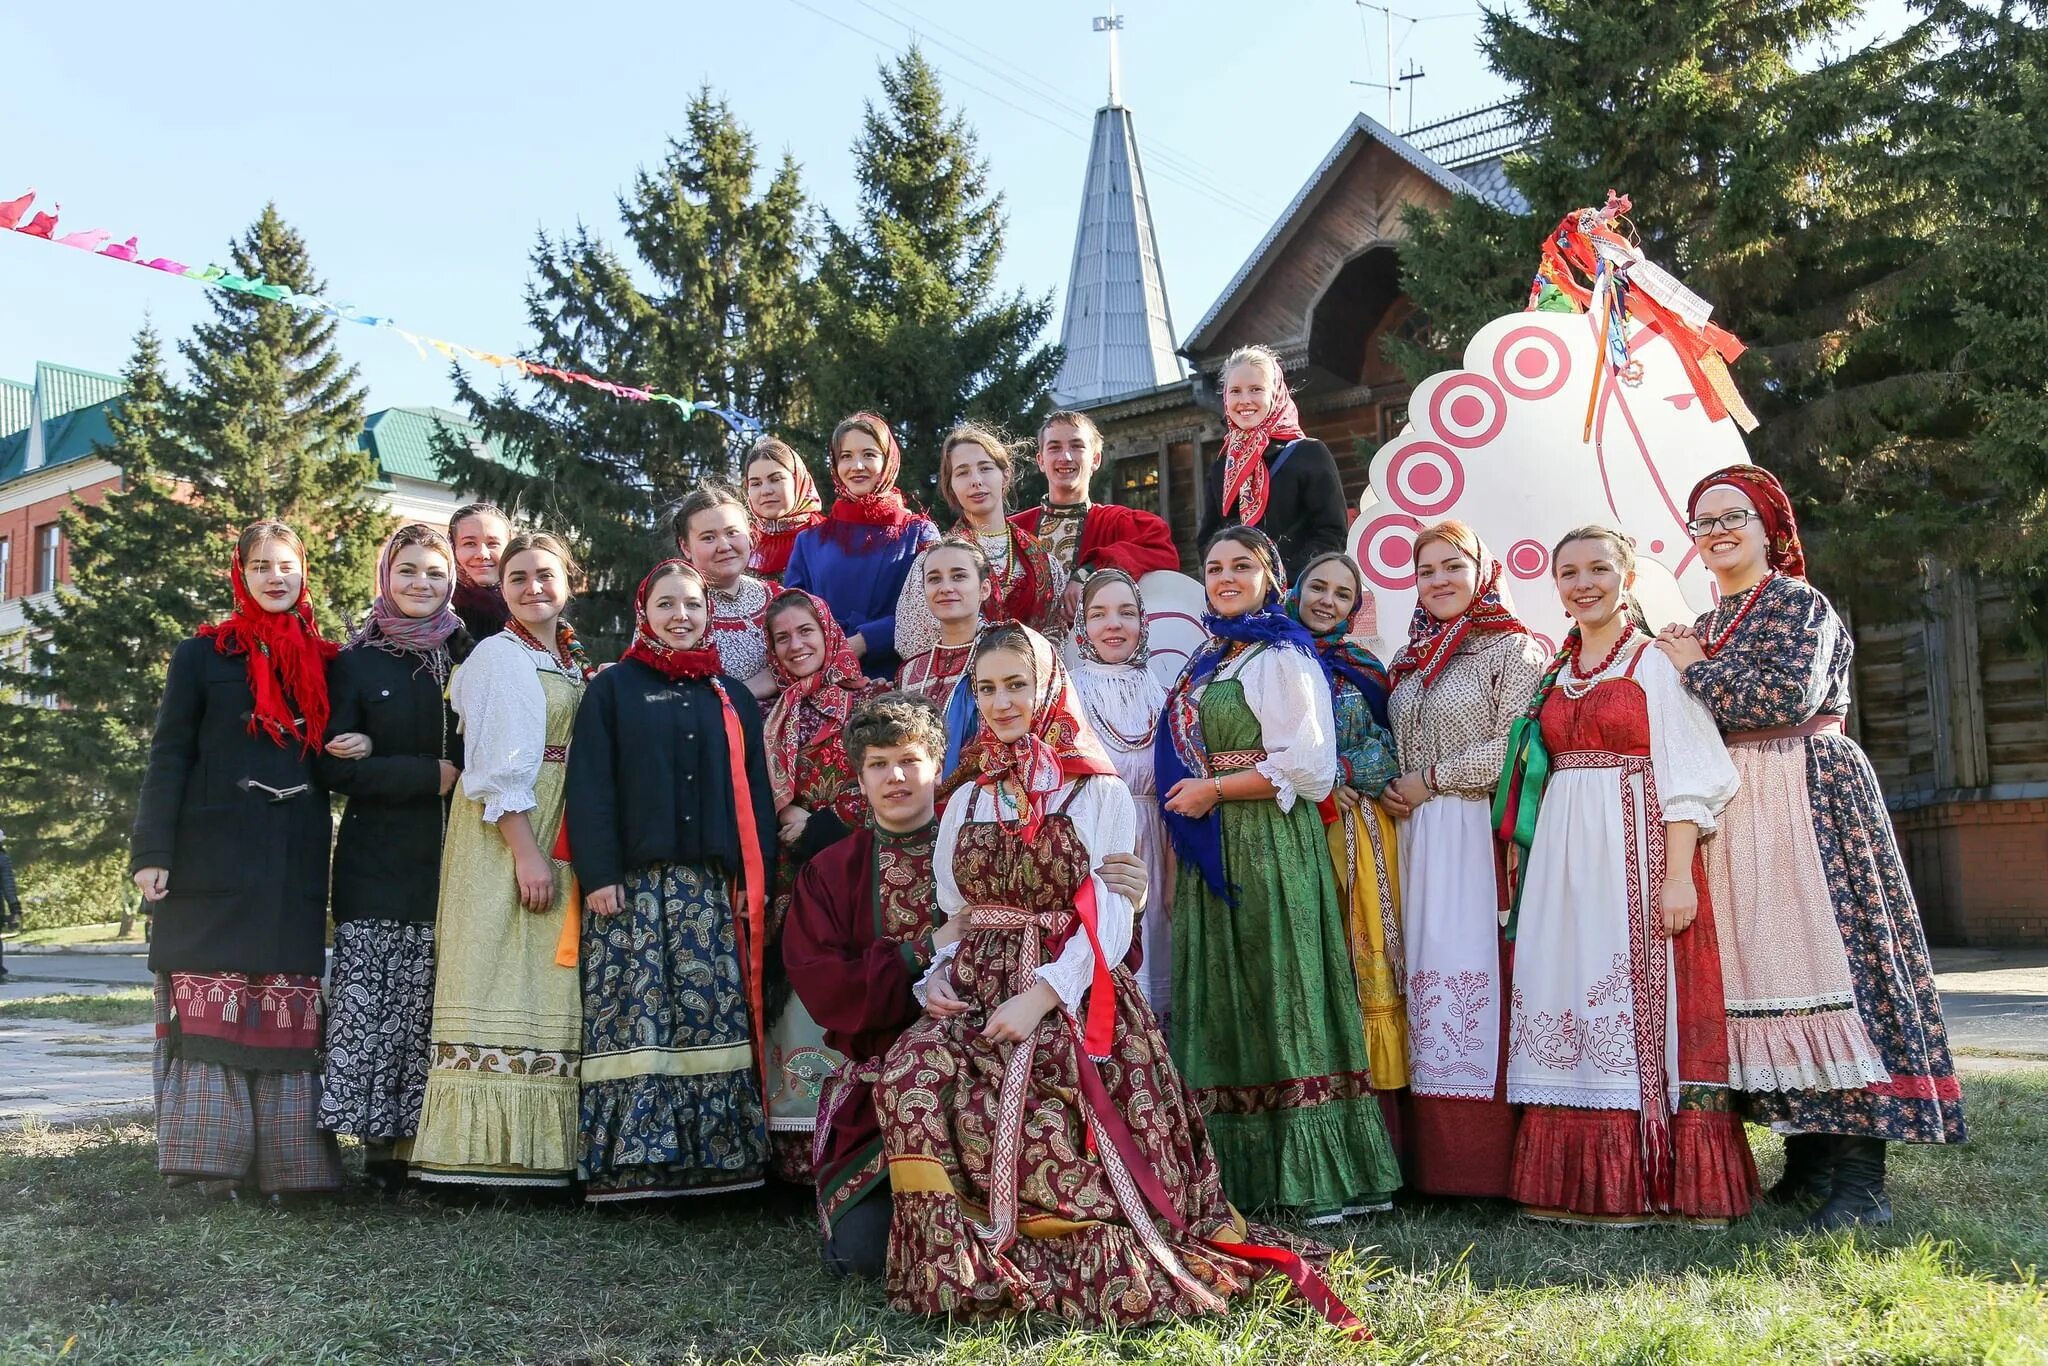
(52, 426)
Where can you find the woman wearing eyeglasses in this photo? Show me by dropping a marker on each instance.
(1834, 1028)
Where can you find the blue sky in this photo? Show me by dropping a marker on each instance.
(419, 146)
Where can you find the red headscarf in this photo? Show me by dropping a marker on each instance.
(1247, 483)
(1431, 643)
(657, 654)
(775, 537)
(832, 692)
(287, 664)
(883, 506)
(1781, 528)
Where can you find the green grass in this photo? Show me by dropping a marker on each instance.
(96, 1253)
(126, 1006)
(104, 932)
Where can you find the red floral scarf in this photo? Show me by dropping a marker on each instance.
(883, 506)
(657, 654)
(1431, 643)
(1059, 745)
(286, 661)
(1781, 528)
(1023, 590)
(1247, 482)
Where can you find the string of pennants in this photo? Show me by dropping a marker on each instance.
(15, 218)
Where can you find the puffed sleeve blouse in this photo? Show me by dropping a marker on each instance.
(1286, 690)
(496, 694)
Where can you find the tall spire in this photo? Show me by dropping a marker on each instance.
(1117, 331)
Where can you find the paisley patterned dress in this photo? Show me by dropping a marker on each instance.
(1807, 835)
(1026, 1177)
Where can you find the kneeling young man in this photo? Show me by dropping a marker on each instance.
(862, 928)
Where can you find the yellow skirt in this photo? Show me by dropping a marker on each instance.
(1362, 846)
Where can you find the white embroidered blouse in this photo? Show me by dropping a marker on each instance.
(1107, 821)
(1695, 777)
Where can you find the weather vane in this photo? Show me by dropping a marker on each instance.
(1111, 23)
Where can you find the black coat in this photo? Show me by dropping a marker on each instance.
(1306, 513)
(649, 781)
(248, 884)
(387, 859)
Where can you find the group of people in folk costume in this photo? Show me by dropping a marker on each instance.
(1041, 975)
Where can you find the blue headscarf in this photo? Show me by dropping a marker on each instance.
(1178, 750)
(1339, 656)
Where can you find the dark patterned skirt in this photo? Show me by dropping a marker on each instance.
(237, 1087)
(1888, 965)
(380, 1006)
(670, 1086)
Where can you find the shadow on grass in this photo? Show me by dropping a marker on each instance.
(94, 1248)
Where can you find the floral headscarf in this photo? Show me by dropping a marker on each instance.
(1431, 643)
(1781, 527)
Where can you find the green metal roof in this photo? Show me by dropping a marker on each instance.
(74, 410)
(76, 404)
(404, 440)
(17, 405)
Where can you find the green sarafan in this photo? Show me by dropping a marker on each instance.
(100, 1258)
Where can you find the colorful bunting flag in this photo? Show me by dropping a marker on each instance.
(44, 225)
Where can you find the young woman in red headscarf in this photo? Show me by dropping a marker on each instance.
(230, 850)
(858, 558)
(1464, 678)
(1270, 475)
(782, 500)
(1095, 1195)
(817, 801)
(1835, 1028)
(672, 833)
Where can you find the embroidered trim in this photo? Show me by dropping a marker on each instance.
(555, 754)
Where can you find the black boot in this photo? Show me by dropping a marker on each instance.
(1858, 1196)
(1809, 1170)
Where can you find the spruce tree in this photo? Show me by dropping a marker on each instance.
(268, 424)
(910, 322)
(146, 565)
(725, 319)
(266, 427)
(1660, 101)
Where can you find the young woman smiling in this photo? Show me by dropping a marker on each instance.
(956, 581)
(1024, 1178)
(818, 800)
(389, 706)
(230, 849)
(1619, 1032)
(1266, 1020)
(478, 532)
(1834, 1022)
(1362, 839)
(714, 538)
(1123, 701)
(500, 1104)
(1270, 475)
(973, 478)
(782, 500)
(1466, 674)
(673, 821)
(858, 558)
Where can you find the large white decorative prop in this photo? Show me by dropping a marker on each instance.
(1174, 604)
(1500, 445)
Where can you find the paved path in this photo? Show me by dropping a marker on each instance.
(1995, 1001)
(67, 1070)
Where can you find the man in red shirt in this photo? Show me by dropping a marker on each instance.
(1085, 536)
